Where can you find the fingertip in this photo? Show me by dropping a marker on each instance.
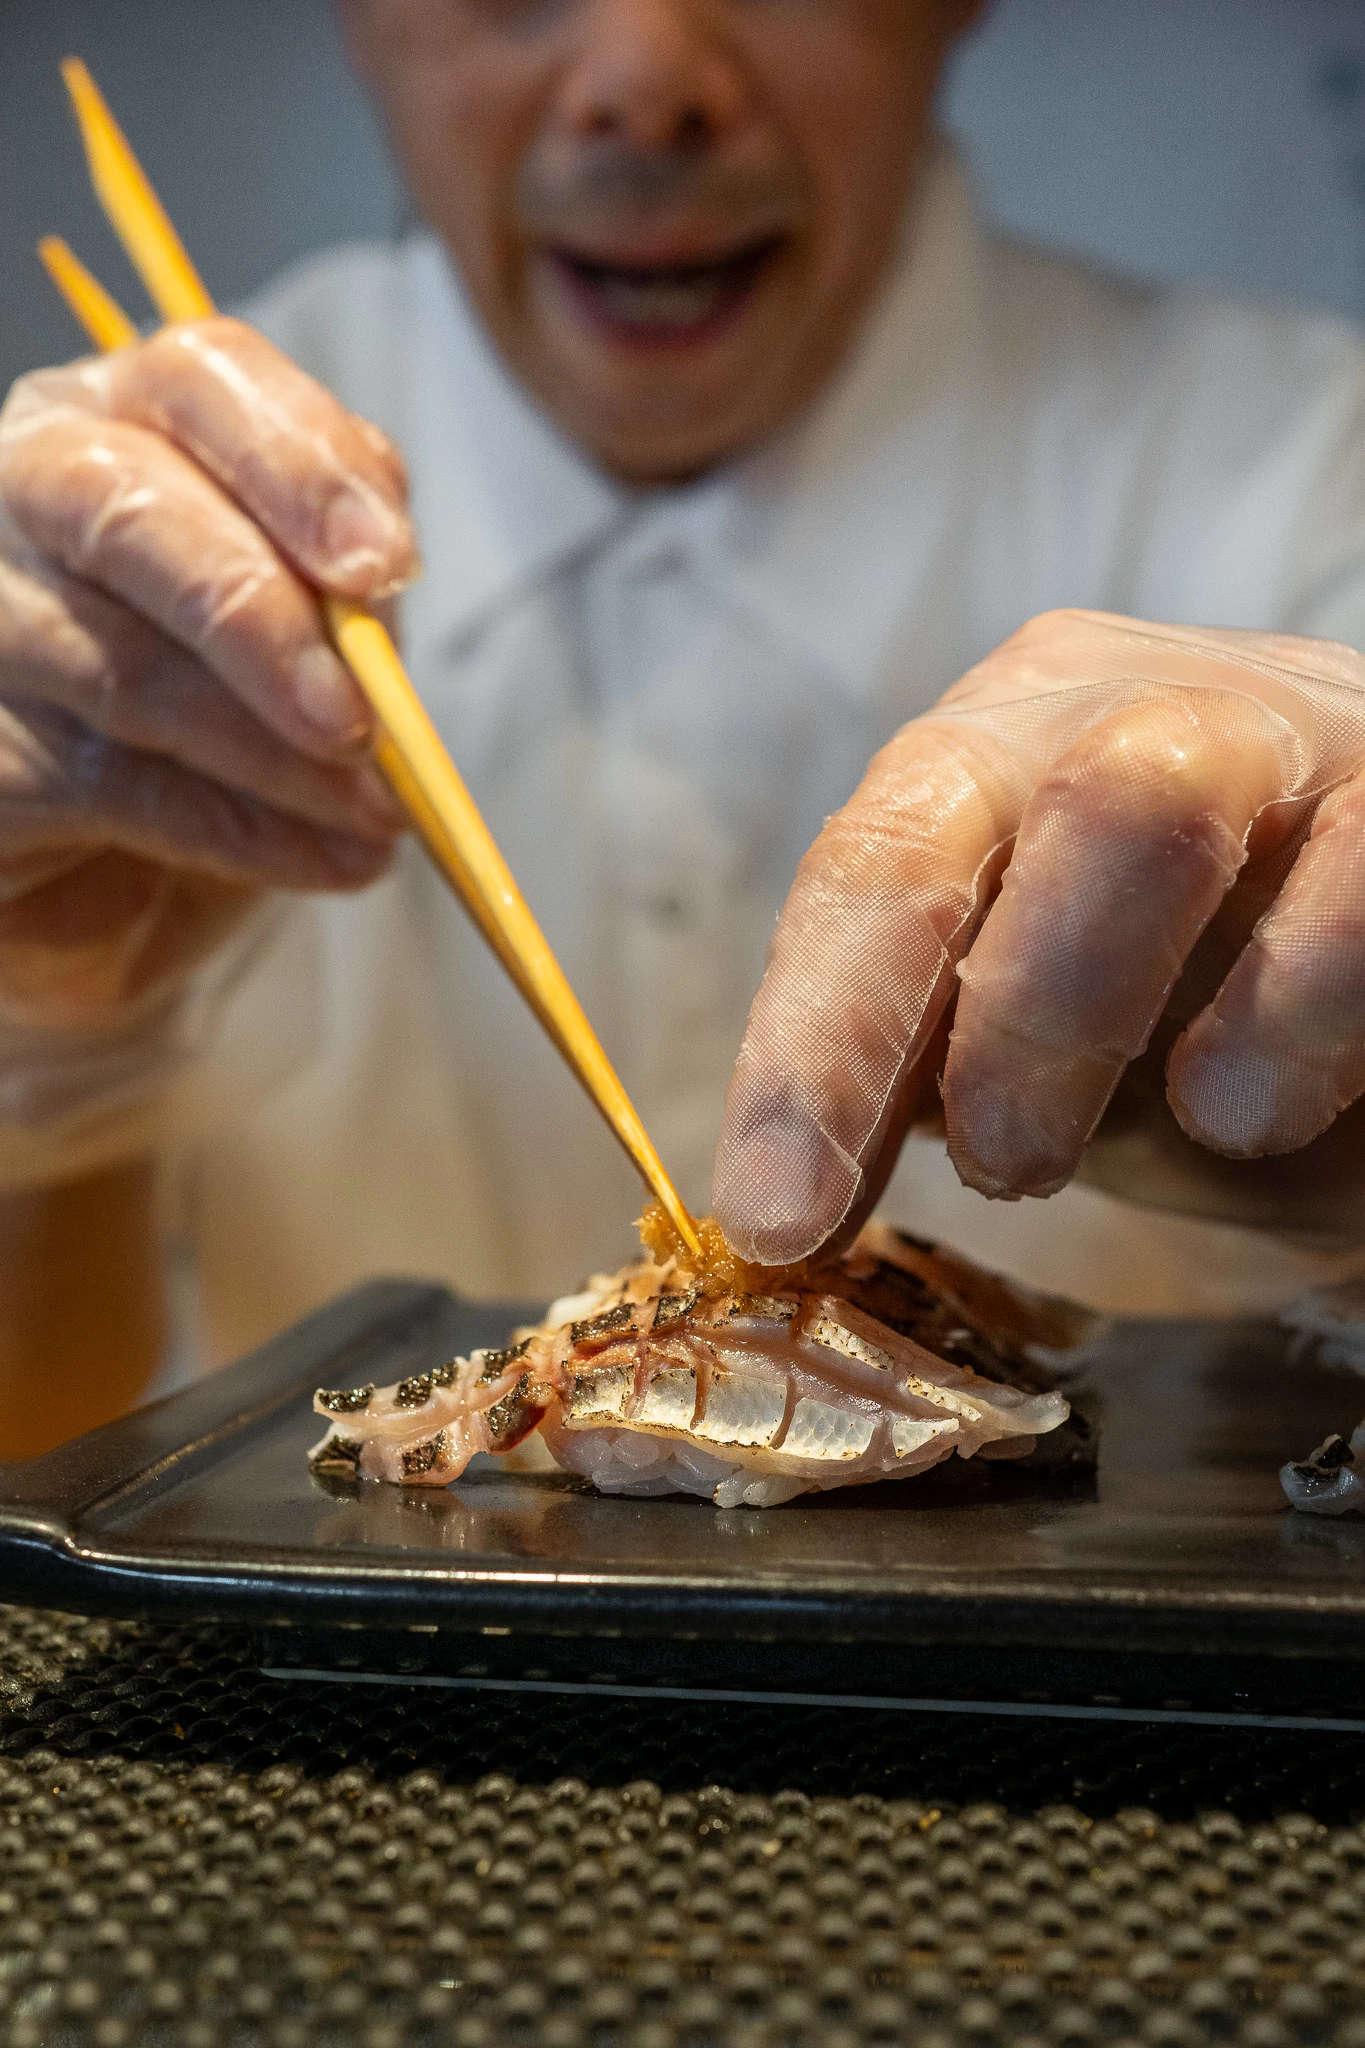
(780, 1189)
(356, 862)
(411, 571)
(368, 549)
(1231, 1100)
(1019, 1115)
(1010, 1185)
(777, 1244)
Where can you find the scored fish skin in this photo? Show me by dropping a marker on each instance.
(424, 1430)
(815, 1393)
(743, 1385)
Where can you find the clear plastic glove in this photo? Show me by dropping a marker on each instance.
(177, 735)
(1118, 863)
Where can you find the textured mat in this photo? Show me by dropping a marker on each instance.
(195, 1856)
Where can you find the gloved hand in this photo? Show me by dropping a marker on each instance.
(177, 735)
(1110, 843)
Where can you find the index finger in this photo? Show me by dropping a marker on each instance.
(329, 488)
(859, 975)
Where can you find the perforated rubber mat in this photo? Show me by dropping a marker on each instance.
(195, 1856)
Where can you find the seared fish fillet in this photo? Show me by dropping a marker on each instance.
(746, 1385)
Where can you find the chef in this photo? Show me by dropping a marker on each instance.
(700, 439)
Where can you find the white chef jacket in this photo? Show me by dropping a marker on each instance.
(658, 696)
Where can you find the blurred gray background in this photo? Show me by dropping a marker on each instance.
(1216, 141)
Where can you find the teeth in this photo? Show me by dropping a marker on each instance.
(681, 297)
(662, 301)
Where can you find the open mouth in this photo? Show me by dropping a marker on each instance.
(666, 302)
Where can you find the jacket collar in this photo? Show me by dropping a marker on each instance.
(499, 496)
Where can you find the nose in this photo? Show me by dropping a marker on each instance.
(654, 74)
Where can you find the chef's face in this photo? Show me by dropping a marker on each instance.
(670, 213)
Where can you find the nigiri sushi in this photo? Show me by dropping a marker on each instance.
(745, 1385)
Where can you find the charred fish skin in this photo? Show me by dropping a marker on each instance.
(601, 1329)
(514, 1416)
(963, 1314)
(426, 1458)
(337, 1454)
(343, 1400)
(493, 1364)
(674, 1308)
(418, 1390)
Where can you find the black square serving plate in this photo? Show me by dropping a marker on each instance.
(1171, 1582)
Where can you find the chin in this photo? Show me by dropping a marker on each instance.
(659, 440)
(664, 426)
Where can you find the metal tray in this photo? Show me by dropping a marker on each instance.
(1171, 1582)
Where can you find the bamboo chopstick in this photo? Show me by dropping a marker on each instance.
(409, 749)
(136, 215)
(103, 319)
